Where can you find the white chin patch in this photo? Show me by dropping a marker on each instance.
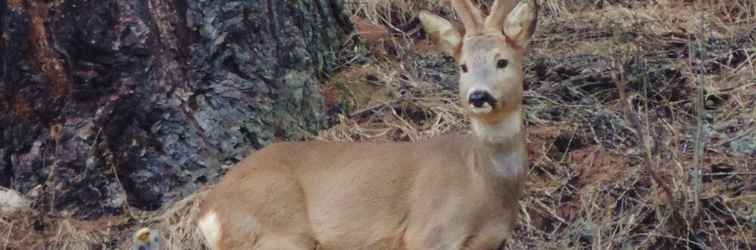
(481, 110)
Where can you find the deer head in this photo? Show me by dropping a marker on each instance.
(490, 54)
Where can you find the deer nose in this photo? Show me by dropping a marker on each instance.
(480, 98)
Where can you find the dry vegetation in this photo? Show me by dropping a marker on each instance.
(640, 118)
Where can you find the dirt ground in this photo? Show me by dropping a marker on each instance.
(640, 118)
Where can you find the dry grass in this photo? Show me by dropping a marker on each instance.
(30, 229)
(177, 224)
(607, 171)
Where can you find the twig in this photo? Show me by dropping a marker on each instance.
(8, 234)
(374, 107)
(697, 181)
(738, 88)
(728, 174)
(701, 246)
(644, 144)
(737, 137)
(551, 212)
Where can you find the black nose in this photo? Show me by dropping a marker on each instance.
(479, 98)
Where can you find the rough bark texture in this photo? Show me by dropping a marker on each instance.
(142, 101)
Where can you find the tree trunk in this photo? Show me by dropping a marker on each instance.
(143, 101)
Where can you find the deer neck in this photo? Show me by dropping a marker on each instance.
(499, 147)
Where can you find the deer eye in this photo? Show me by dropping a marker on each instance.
(463, 67)
(502, 63)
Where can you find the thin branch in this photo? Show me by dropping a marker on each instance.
(643, 140)
(698, 155)
(729, 174)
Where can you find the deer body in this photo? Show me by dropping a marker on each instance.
(449, 192)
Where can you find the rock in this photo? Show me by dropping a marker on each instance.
(142, 102)
(11, 200)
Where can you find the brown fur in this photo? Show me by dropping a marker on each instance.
(358, 196)
(450, 192)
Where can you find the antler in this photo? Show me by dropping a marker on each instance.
(472, 17)
(469, 14)
(499, 12)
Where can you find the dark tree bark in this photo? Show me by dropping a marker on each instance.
(143, 101)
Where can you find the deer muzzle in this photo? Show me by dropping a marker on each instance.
(480, 99)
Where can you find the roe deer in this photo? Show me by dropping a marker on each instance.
(449, 192)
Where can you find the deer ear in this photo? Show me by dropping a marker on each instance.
(441, 30)
(521, 22)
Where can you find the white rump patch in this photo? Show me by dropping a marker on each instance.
(211, 229)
